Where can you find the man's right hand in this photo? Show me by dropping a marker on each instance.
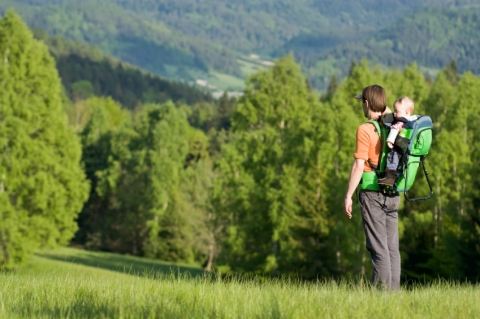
(353, 181)
(390, 144)
(347, 207)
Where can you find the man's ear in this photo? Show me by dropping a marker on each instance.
(366, 102)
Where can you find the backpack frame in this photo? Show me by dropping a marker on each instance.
(413, 144)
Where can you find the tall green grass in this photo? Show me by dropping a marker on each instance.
(49, 288)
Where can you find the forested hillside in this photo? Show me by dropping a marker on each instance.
(85, 71)
(431, 37)
(189, 40)
(255, 24)
(147, 43)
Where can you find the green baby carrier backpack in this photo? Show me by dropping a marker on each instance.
(413, 144)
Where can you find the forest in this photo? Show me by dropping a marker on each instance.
(253, 185)
(429, 36)
(185, 40)
(86, 71)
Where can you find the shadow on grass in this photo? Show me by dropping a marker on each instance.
(92, 304)
(124, 264)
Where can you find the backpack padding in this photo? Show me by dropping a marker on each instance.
(422, 142)
(410, 168)
(423, 122)
(418, 147)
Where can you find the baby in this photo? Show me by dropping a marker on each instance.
(403, 109)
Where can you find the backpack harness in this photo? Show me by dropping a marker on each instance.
(413, 143)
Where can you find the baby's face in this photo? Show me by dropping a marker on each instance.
(400, 110)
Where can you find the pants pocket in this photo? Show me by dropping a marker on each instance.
(392, 204)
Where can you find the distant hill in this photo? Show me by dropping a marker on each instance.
(431, 36)
(241, 25)
(85, 70)
(147, 43)
(204, 39)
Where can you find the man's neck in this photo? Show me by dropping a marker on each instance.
(374, 116)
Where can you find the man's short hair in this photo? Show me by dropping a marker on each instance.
(376, 97)
(408, 102)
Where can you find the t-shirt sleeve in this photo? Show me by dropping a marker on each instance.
(363, 143)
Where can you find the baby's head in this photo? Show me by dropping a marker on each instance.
(403, 107)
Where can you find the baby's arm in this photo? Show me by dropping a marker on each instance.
(394, 130)
(393, 133)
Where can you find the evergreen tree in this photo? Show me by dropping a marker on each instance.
(412, 84)
(467, 172)
(196, 189)
(331, 89)
(142, 177)
(263, 170)
(105, 118)
(427, 239)
(186, 230)
(203, 116)
(42, 185)
(346, 239)
(226, 107)
(451, 71)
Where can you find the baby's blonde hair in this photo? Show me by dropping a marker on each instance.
(408, 102)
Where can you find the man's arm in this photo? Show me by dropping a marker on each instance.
(353, 181)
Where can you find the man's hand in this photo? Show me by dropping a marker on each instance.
(347, 207)
(390, 144)
(353, 181)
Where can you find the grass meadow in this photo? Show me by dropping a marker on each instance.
(69, 283)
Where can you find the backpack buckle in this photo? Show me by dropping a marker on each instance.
(388, 191)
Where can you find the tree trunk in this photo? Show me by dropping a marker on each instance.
(211, 253)
(6, 254)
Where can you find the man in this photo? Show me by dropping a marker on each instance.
(379, 211)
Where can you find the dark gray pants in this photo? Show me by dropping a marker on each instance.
(380, 223)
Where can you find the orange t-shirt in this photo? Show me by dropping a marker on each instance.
(368, 145)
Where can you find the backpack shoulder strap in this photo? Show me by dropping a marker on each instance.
(381, 161)
(377, 126)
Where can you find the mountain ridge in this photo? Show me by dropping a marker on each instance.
(200, 39)
(431, 37)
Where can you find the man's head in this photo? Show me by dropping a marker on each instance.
(404, 106)
(374, 99)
